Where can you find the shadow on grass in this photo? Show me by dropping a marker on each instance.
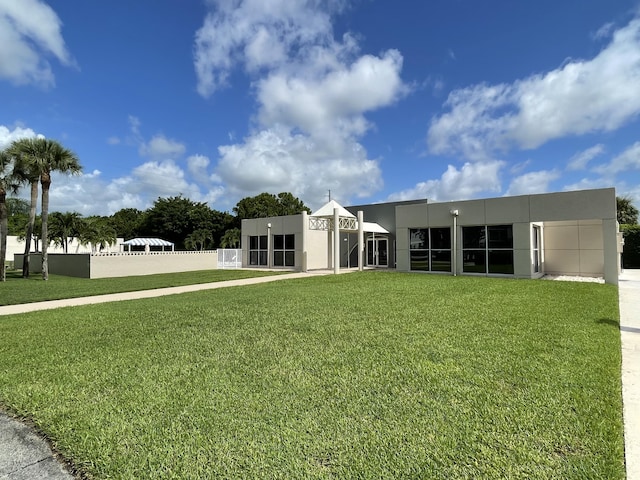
(608, 321)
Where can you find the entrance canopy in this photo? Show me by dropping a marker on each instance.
(322, 219)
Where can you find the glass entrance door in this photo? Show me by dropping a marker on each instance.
(377, 252)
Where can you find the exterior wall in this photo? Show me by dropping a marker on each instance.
(14, 245)
(579, 229)
(123, 264)
(384, 214)
(574, 248)
(290, 224)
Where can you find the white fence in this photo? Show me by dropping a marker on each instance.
(229, 258)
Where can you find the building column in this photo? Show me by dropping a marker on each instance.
(610, 250)
(305, 227)
(360, 240)
(336, 241)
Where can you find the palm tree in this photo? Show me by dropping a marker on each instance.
(21, 150)
(231, 238)
(96, 231)
(43, 156)
(8, 182)
(62, 227)
(627, 213)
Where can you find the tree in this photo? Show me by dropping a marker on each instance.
(198, 239)
(43, 156)
(231, 238)
(62, 227)
(269, 205)
(127, 222)
(97, 231)
(8, 182)
(26, 170)
(18, 211)
(627, 213)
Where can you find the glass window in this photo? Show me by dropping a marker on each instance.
(284, 250)
(494, 256)
(430, 249)
(258, 250)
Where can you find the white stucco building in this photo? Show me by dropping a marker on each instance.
(565, 233)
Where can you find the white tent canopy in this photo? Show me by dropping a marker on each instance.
(147, 242)
(153, 242)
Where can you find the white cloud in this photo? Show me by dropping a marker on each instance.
(256, 34)
(581, 96)
(277, 160)
(90, 194)
(470, 181)
(7, 136)
(29, 30)
(532, 182)
(580, 160)
(197, 166)
(161, 147)
(113, 140)
(313, 92)
(627, 160)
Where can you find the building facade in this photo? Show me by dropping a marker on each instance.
(565, 233)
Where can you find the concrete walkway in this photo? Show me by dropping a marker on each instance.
(25, 455)
(629, 288)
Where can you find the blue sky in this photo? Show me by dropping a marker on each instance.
(376, 101)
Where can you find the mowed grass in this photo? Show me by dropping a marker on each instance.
(362, 375)
(17, 290)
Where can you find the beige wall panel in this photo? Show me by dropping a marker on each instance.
(564, 262)
(560, 237)
(578, 205)
(592, 262)
(590, 237)
(408, 216)
(507, 210)
(318, 250)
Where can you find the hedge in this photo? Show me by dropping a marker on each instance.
(631, 250)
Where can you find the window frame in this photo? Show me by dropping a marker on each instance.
(426, 250)
(487, 247)
(258, 250)
(284, 250)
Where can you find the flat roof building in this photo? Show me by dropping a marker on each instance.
(527, 236)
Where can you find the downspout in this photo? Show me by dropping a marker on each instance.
(336, 241)
(360, 240)
(454, 247)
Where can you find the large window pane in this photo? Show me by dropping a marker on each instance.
(441, 238)
(263, 242)
(253, 257)
(473, 237)
(278, 242)
(262, 257)
(419, 260)
(253, 243)
(501, 261)
(289, 258)
(289, 242)
(418, 238)
(474, 261)
(500, 236)
(278, 259)
(441, 260)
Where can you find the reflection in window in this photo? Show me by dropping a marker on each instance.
(494, 256)
(284, 250)
(430, 249)
(258, 250)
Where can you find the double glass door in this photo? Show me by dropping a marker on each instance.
(377, 252)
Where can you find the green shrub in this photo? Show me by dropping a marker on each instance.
(631, 250)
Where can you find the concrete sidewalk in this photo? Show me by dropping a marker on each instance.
(629, 288)
(25, 455)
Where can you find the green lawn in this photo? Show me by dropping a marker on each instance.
(362, 375)
(17, 290)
